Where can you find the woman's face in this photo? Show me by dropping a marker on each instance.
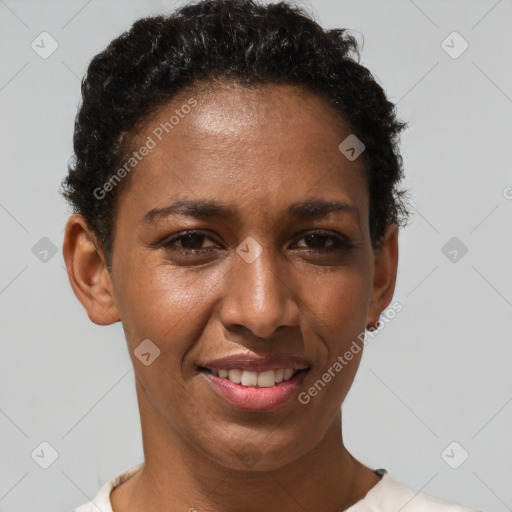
(264, 278)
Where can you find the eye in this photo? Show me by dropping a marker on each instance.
(190, 242)
(317, 240)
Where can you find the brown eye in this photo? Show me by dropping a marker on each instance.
(188, 242)
(191, 241)
(317, 240)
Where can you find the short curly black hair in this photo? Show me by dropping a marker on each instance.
(231, 40)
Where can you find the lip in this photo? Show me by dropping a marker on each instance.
(254, 363)
(252, 398)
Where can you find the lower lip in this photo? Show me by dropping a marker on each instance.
(256, 399)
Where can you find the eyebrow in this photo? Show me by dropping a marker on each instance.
(306, 209)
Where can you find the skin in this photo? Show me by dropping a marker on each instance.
(258, 150)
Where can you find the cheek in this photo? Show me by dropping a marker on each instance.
(337, 322)
(167, 305)
(339, 300)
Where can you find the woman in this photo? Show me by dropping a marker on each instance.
(236, 207)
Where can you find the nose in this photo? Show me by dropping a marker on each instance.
(259, 297)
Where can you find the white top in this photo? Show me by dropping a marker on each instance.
(388, 495)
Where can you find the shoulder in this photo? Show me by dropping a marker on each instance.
(389, 495)
(101, 502)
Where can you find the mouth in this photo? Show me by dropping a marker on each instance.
(263, 379)
(254, 391)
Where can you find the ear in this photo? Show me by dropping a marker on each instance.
(87, 272)
(386, 263)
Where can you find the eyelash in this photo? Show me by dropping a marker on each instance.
(341, 243)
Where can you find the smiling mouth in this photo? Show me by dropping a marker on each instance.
(264, 379)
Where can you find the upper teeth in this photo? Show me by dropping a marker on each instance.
(264, 379)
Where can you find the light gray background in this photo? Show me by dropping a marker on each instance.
(438, 373)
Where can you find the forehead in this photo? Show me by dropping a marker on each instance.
(273, 144)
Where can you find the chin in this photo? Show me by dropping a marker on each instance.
(254, 457)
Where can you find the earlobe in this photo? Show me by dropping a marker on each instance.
(386, 263)
(87, 272)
